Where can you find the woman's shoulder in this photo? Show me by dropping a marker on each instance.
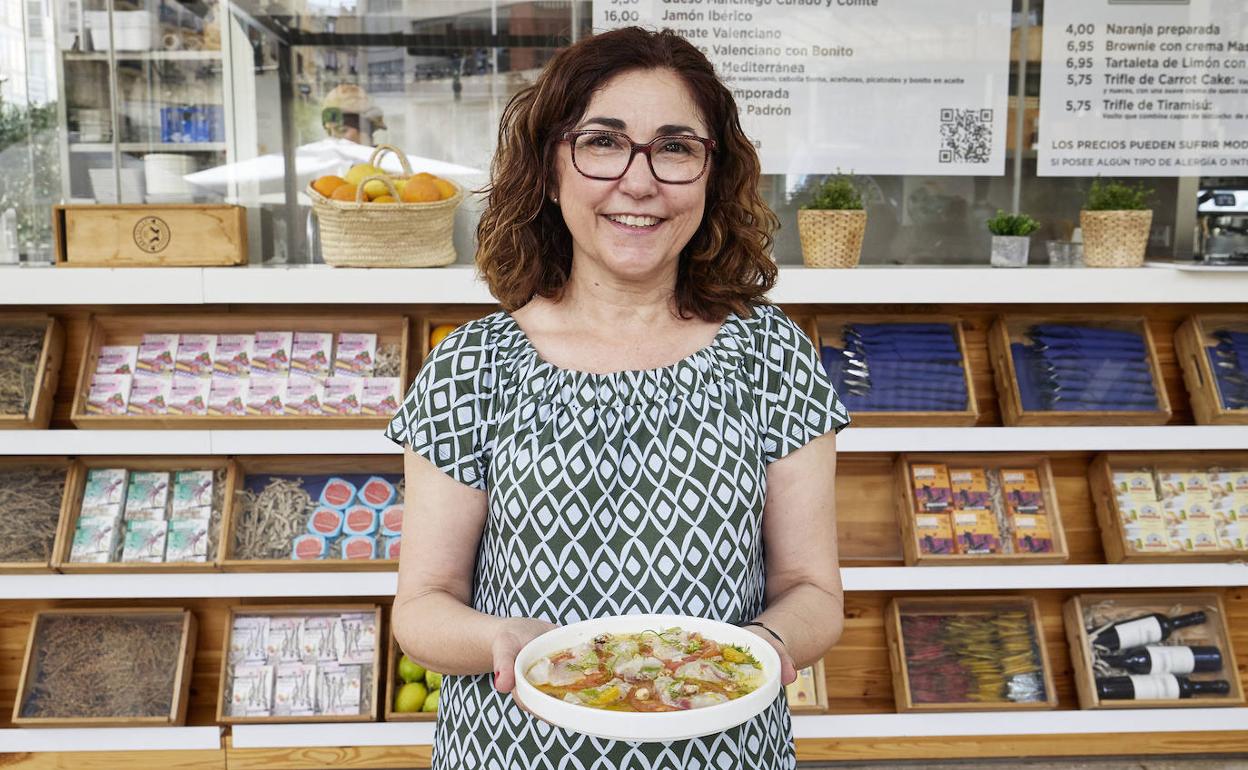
(769, 324)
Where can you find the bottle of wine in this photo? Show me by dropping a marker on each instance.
(1162, 687)
(1148, 629)
(1167, 660)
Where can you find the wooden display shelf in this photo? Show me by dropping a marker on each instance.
(961, 605)
(1109, 517)
(307, 610)
(393, 683)
(821, 328)
(331, 465)
(47, 373)
(906, 507)
(72, 509)
(129, 330)
(449, 317)
(1215, 631)
(179, 698)
(1009, 329)
(1191, 343)
(54, 463)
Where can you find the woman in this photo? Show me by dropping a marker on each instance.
(638, 432)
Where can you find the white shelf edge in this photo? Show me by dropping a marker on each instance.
(332, 735)
(36, 740)
(47, 285)
(1020, 723)
(1045, 439)
(104, 442)
(240, 585)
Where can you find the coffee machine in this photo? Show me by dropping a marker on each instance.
(1222, 222)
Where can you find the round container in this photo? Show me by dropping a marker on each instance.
(392, 521)
(646, 728)
(359, 548)
(309, 547)
(326, 523)
(377, 493)
(360, 520)
(391, 548)
(338, 493)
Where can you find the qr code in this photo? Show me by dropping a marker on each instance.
(965, 135)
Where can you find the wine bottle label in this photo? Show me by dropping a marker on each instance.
(1171, 660)
(1155, 687)
(1137, 633)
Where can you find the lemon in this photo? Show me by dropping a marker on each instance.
(433, 679)
(439, 333)
(409, 670)
(362, 171)
(376, 189)
(431, 703)
(412, 697)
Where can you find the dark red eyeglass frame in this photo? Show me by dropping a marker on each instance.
(644, 149)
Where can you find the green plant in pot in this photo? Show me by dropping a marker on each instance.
(1011, 238)
(1115, 221)
(832, 223)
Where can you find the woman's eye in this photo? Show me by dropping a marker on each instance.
(676, 147)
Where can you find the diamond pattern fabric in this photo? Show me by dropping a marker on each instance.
(613, 494)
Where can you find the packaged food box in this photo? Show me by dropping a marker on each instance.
(145, 541)
(380, 396)
(109, 394)
(266, 395)
(149, 395)
(271, 354)
(310, 355)
(187, 540)
(343, 395)
(117, 359)
(228, 397)
(233, 359)
(1021, 489)
(156, 355)
(932, 491)
(1032, 534)
(356, 355)
(147, 489)
(192, 489)
(934, 533)
(304, 396)
(195, 356)
(970, 489)
(189, 396)
(976, 532)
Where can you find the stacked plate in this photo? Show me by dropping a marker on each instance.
(104, 191)
(165, 173)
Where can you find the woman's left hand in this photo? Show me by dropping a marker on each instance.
(788, 670)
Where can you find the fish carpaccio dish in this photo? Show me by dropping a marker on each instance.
(651, 671)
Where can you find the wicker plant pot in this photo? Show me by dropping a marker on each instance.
(1115, 238)
(831, 238)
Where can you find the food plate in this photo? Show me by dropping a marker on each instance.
(647, 727)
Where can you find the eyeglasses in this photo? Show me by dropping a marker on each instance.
(606, 155)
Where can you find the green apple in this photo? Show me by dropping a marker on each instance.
(434, 680)
(431, 703)
(410, 671)
(411, 698)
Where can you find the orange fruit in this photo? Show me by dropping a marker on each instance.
(420, 191)
(384, 199)
(344, 192)
(424, 175)
(327, 184)
(445, 188)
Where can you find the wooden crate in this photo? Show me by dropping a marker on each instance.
(305, 610)
(300, 465)
(808, 694)
(392, 688)
(1113, 529)
(129, 330)
(72, 508)
(902, 694)
(39, 412)
(905, 506)
(450, 316)
(827, 328)
(182, 677)
(1190, 343)
(1214, 631)
(1008, 329)
(53, 463)
(135, 235)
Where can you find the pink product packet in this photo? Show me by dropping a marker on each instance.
(266, 396)
(380, 396)
(109, 394)
(156, 355)
(356, 355)
(227, 397)
(189, 396)
(117, 359)
(234, 353)
(311, 354)
(150, 395)
(304, 396)
(196, 353)
(272, 353)
(343, 395)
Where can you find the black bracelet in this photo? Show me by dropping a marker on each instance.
(765, 628)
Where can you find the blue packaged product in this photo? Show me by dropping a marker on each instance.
(326, 522)
(338, 494)
(360, 520)
(377, 493)
(359, 547)
(309, 547)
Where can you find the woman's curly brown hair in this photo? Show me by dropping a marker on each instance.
(524, 247)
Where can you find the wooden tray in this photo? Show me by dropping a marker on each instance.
(129, 330)
(58, 463)
(39, 412)
(1190, 343)
(905, 508)
(827, 328)
(902, 696)
(72, 508)
(1214, 631)
(1007, 329)
(135, 235)
(392, 688)
(182, 677)
(223, 717)
(1113, 529)
(307, 466)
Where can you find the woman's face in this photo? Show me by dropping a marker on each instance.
(643, 104)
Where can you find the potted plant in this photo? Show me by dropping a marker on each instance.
(832, 224)
(1115, 222)
(1011, 238)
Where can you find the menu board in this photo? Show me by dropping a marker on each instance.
(862, 86)
(1144, 88)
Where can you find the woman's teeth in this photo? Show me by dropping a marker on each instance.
(633, 221)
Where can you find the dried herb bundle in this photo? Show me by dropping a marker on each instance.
(94, 666)
(30, 504)
(269, 521)
(218, 506)
(389, 360)
(20, 347)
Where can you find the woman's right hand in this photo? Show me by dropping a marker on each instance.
(516, 633)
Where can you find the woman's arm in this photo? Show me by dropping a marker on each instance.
(805, 603)
(443, 521)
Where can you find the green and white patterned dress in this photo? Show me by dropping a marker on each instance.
(612, 494)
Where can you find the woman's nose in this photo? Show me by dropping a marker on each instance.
(637, 180)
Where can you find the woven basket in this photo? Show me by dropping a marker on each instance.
(831, 238)
(363, 234)
(1115, 238)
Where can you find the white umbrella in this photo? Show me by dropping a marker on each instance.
(328, 156)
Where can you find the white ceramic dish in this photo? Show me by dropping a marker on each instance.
(645, 728)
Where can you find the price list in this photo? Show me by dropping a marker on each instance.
(1144, 89)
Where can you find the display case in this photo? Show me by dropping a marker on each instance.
(1213, 353)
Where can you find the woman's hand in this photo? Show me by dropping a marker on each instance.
(788, 669)
(507, 645)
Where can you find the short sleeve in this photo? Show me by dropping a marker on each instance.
(799, 402)
(443, 417)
